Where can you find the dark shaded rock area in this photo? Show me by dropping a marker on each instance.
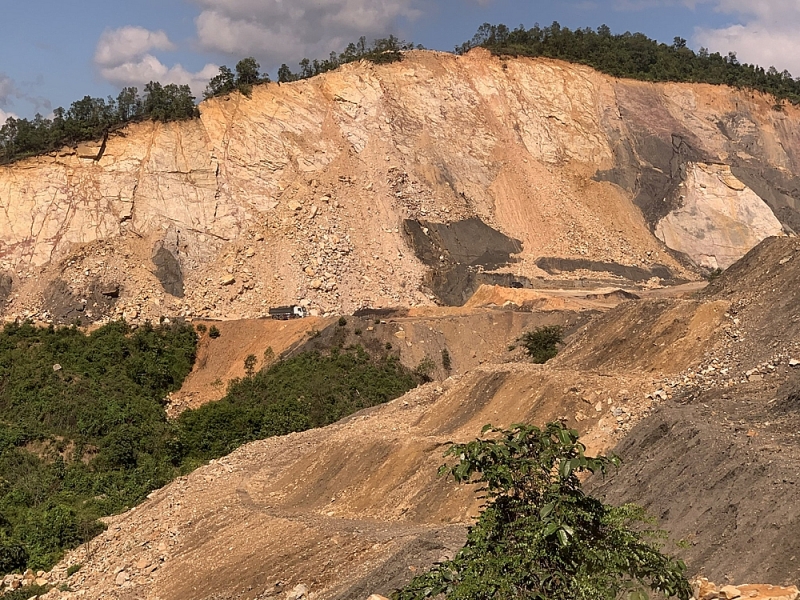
(458, 255)
(653, 172)
(650, 157)
(66, 305)
(415, 556)
(777, 188)
(554, 266)
(6, 286)
(168, 270)
(721, 473)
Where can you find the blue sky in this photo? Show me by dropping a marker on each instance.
(54, 52)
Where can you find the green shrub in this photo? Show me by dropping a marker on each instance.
(25, 593)
(201, 328)
(447, 365)
(72, 569)
(539, 535)
(250, 364)
(342, 321)
(308, 390)
(357, 331)
(213, 332)
(541, 344)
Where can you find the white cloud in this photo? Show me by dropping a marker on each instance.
(117, 46)
(277, 31)
(765, 33)
(4, 116)
(123, 57)
(148, 68)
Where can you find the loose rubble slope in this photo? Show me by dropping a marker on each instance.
(356, 508)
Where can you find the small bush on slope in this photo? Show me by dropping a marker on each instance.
(541, 344)
(539, 536)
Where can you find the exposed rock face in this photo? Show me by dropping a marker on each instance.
(719, 216)
(318, 177)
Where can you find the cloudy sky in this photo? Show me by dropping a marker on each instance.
(53, 52)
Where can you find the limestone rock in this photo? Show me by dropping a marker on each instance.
(721, 219)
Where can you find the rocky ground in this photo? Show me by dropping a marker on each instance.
(311, 192)
(704, 420)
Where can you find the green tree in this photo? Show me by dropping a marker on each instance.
(250, 364)
(248, 75)
(222, 83)
(539, 536)
(541, 344)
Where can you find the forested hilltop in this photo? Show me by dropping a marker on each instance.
(634, 56)
(93, 118)
(626, 55)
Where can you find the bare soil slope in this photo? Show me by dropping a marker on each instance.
(719, 462)
(705, 422)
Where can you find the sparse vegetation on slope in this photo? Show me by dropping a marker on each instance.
(539, 535)
(308, 390)
(84, 434)
(634, 56)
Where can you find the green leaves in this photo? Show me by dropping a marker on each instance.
(540, 536)
(634, 55)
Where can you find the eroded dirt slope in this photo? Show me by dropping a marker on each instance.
(405, 184)
(700, 407)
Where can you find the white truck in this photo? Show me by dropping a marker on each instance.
(284, 313)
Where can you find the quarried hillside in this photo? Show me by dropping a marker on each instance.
(409, 183)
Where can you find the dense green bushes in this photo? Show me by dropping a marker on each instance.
(83, 431)
(309, 390)
(633, 55)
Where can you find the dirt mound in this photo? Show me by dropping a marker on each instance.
(471, 338)
(221, 359)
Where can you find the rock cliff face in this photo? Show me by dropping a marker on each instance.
(311, 191)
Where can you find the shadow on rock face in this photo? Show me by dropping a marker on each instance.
(554, 266)
(458, 253)
(66, 305)
(6, 285)
(168, 270)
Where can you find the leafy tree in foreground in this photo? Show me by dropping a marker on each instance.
(539, 536)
